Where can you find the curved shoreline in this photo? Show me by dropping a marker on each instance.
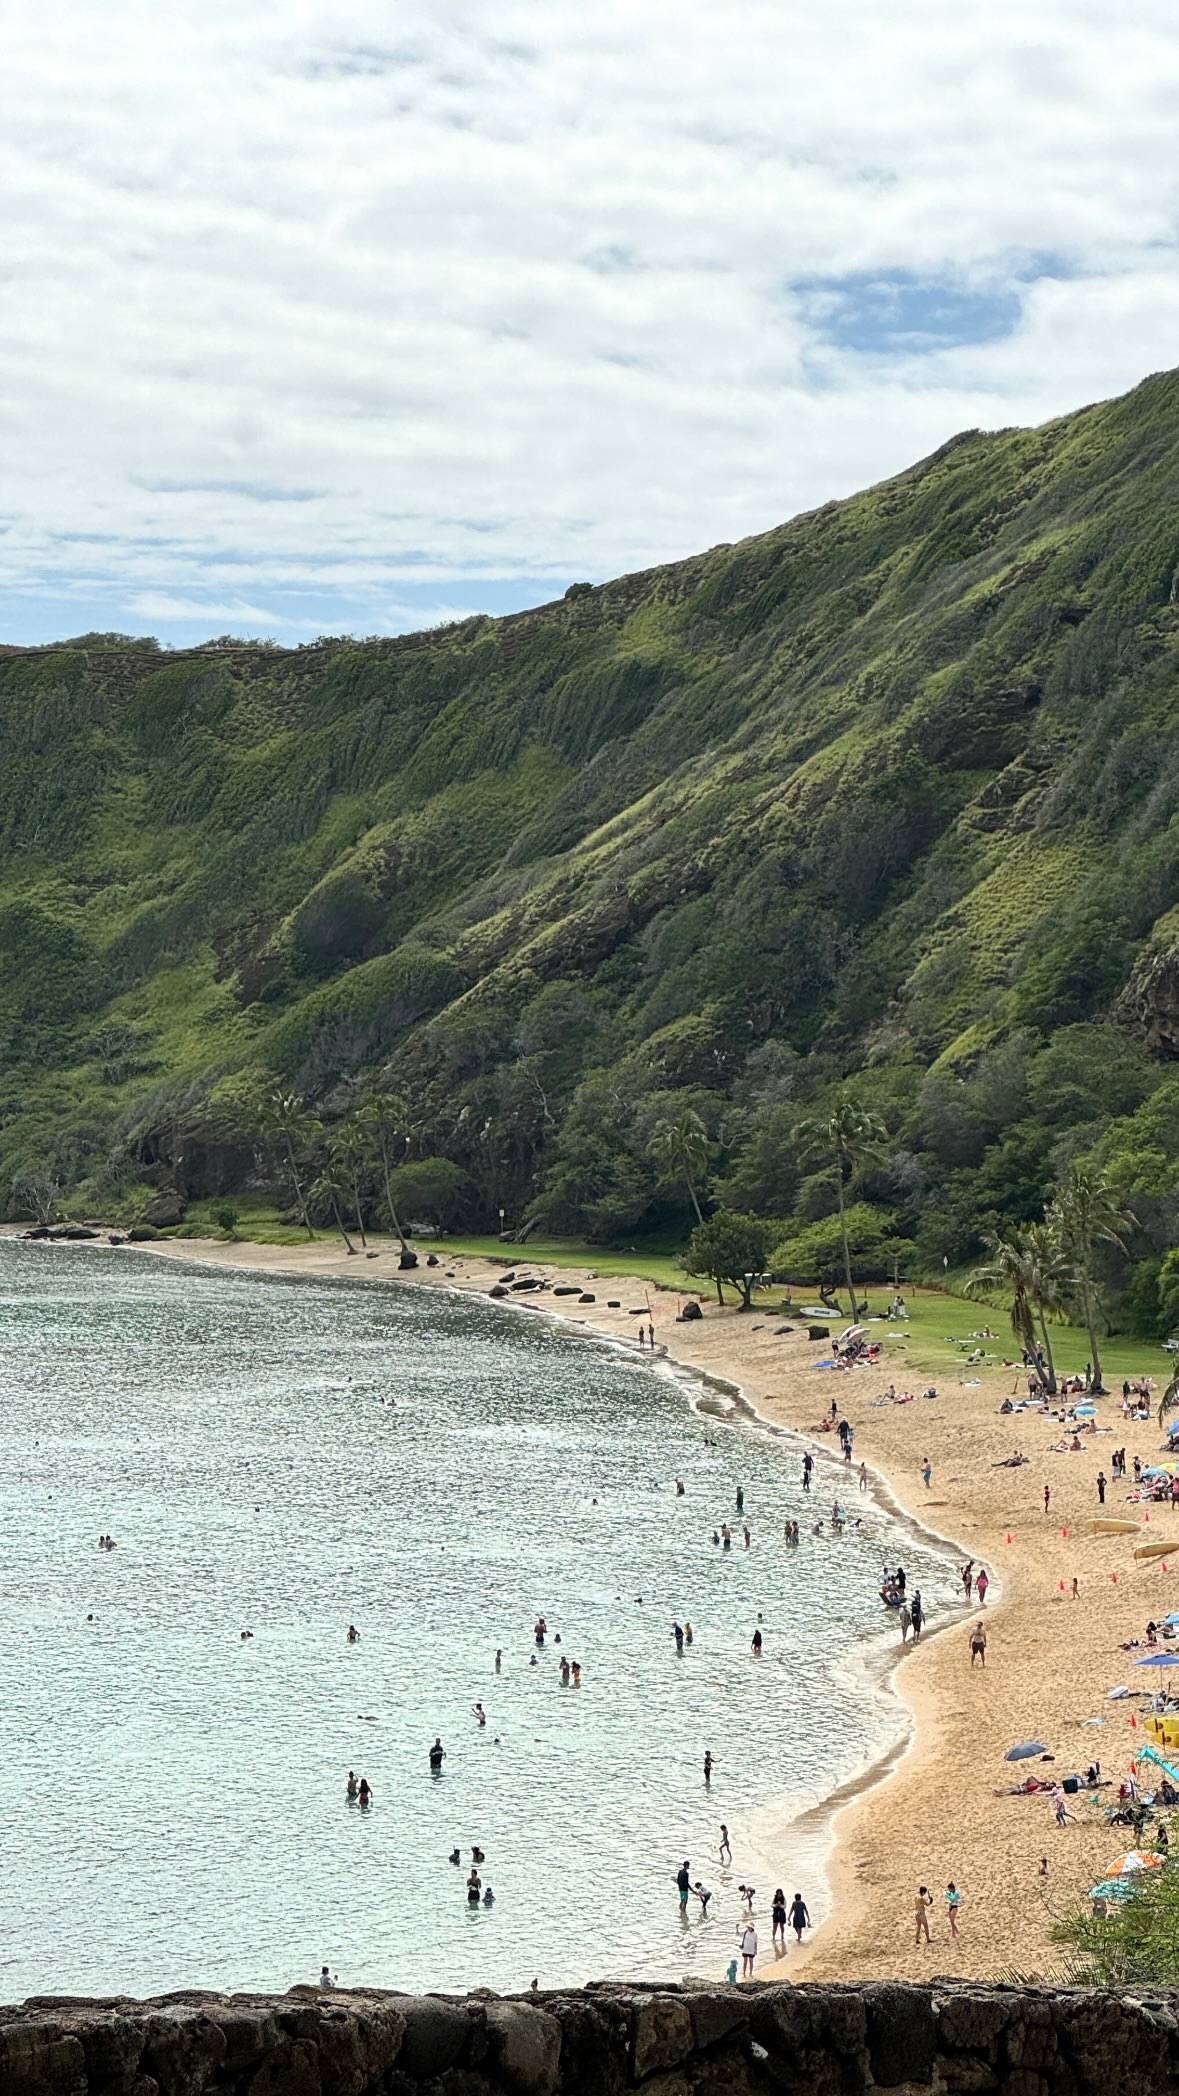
(937, 1804)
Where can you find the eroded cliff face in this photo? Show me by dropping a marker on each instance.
(1149, 1004)
(692, 2040)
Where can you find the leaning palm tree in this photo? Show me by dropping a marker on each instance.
(332, 1188)
(350, 1156)
(1008, 1270)
(681, 1150)
(1051, 1281)
(851, 1138)
(1086, 1214)
(381, 1121)
(287, 1124)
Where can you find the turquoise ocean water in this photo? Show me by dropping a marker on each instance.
(173, 1798)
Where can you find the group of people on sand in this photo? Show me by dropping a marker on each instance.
(925, 1901)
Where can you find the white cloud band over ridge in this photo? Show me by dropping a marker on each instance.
(354, 316)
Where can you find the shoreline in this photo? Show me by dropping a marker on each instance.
(930, 1807)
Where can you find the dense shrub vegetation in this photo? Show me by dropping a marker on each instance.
(886, 798)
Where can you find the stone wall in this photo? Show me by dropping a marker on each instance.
(670, 2041)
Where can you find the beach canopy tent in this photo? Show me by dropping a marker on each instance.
(1025, 1750)
(1136, 1859)
(1159, 1659)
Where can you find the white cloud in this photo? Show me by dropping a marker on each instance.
(308, 304)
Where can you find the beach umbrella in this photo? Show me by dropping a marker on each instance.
(1085, 1411)
(1173, 1617)
(1136, 1859)
(1111, 1888)
(1025, 1750)
(1159, 1659)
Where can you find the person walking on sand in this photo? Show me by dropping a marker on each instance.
(952, 1902)
(863, 1477)
(799, 1918)
(1047, 1497)
(1101, 1488)
(978, 1645)
(927, 1472)
(921, 1911)
(778, 1915)
(980, 1586)
(747, 1938)
(968, 1578)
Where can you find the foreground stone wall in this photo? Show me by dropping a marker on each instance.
(669, 2041)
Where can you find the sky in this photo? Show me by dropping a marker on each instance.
(326, 318)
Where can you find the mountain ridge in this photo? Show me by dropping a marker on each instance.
(886, 793)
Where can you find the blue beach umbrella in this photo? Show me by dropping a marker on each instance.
(1111, 1888)
(1173, 1617)
(1159, 1659)
(1028, 1747)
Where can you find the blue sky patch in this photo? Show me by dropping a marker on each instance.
(894, 312)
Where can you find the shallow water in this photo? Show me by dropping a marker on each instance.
(173, 1797)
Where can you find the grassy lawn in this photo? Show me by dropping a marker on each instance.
(940, 1332)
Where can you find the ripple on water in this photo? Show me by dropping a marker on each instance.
(174, 1797)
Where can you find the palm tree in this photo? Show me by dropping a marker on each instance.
(350, 1156)
(286, 1122)
(1086, 1214)
(333, 1186)
(381, 1121)
(1009, 1268)
(851, 1138)
(1051, 1278)
(681, 1150)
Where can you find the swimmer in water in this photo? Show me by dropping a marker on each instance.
(757, 1644)
(479, 1713)
(366, 1796)
(474, 1887)
(488, 1896)
(678, 1634)
(353, 1634)
(498, 1659)
(455, 1857)
(437, 1755)
(564, 1672)
(477, 1856)
(351, 1785)
(687, 1632)
(577, 1673)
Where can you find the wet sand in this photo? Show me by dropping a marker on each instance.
(934, 1814)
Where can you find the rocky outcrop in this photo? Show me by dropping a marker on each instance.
(1149, 1004)
(691, 2040)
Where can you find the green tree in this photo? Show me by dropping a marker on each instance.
(1050, 1279)
(681, 1149)
(431, 1187)
(351, 1155)
(850, 1138)
(730, 1247)
(1008, 1271)
(381, 1122)
(1135, 1944)
(288, 1125)
(1086, 1215)
(332, 1188)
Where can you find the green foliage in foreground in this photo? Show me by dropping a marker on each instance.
(621, 898)
(1137, 1942)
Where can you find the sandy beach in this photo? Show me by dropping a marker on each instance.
(1051, 1658)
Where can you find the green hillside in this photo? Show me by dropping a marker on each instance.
(890, 792)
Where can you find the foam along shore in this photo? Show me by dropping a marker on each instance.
(941, 1810)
